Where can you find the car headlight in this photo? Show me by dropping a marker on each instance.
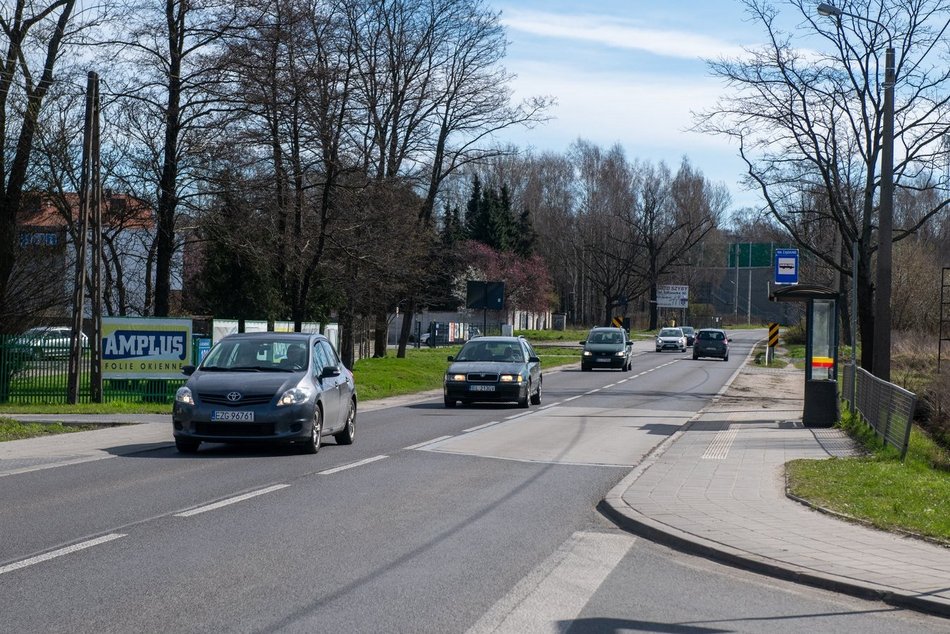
(511, 378)
(183, 395)
(587, 353)
(454, 377)
(658, 340)
(294, 396)
(620, 354)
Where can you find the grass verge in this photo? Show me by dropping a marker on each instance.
(878, 488)
(15, 430)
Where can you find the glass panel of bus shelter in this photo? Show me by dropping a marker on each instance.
(822, 339)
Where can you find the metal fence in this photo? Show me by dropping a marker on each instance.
(887, 408)
(34, 374)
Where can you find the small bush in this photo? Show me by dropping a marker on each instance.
(794, 335)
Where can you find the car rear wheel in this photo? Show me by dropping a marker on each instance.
(695, 357)
(312, 444)
(536, 397)
(726, 357)
(346, 436)
(185, 445)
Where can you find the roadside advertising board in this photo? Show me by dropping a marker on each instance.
(143, 348)
(672, 296)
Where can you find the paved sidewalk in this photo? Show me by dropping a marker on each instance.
(717, 488)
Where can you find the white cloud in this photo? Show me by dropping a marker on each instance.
(616, 33)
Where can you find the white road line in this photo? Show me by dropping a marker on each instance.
(229, 501)
(477, 427)
(423, 444)
(358, 463)
(516, 415)
(573, 398)
(65, 463)
(592, 391)
(622, 381)
(549, 406)
(59, 553)
(554, 593)
(608, 385)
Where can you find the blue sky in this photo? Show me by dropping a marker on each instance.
(629, 72)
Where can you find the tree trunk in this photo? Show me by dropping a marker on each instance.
(406, 329)
(653, 308)
(381, 334)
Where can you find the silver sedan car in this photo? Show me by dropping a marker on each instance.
(266, 387)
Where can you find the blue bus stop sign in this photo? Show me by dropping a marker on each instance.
(786, 266)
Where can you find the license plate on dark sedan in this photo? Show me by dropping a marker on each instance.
(481, 388)
(232, 415)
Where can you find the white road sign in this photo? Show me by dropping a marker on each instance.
(672, 296)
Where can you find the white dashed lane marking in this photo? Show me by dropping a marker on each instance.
(360, 463)
(229, 501)
(59, 552)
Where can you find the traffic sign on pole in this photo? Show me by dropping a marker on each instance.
(786, 266)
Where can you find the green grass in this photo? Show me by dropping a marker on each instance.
(112, 407)
(14, 430)
(545, 336)
(878, 488)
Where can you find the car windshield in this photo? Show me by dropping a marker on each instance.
(671, 332)
(687, 330)
(605, 337)
(709, 335)
(509, 351)
(257, 355)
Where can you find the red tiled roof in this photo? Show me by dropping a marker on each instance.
(44, 211)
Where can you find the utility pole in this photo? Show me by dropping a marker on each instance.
(88, 197)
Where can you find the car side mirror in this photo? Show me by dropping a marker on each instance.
(329, 372)
(450, 358)
(583, 343)
(534, 360)
(629, 343)
(187, 370)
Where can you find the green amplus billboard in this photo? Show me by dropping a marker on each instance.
(754, 254)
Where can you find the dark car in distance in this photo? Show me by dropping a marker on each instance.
(711, 342)
(266, 387)
(690, 333)
(494, 369)
(606, 348)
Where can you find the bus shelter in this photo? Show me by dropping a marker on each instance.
(821, 350)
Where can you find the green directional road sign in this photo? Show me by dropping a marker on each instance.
(753, 254)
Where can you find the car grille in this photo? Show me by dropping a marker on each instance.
(234, 429)
(246, 399)
(482, 376)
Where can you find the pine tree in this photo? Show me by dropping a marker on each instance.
(525, 236)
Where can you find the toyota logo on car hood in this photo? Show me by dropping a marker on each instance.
(234, 397)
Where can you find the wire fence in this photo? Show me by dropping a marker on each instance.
(33, 372)
(887, 408)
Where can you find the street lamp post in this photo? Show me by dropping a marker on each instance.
(881, 358)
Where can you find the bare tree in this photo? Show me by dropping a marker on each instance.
(167, 97)
(34, 34)
(806, 122)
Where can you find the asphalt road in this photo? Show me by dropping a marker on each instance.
(479, 518)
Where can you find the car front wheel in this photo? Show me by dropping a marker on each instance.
(312, 444)
(536, 397)
(523, 401)
(346, 436)
(185, 445)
